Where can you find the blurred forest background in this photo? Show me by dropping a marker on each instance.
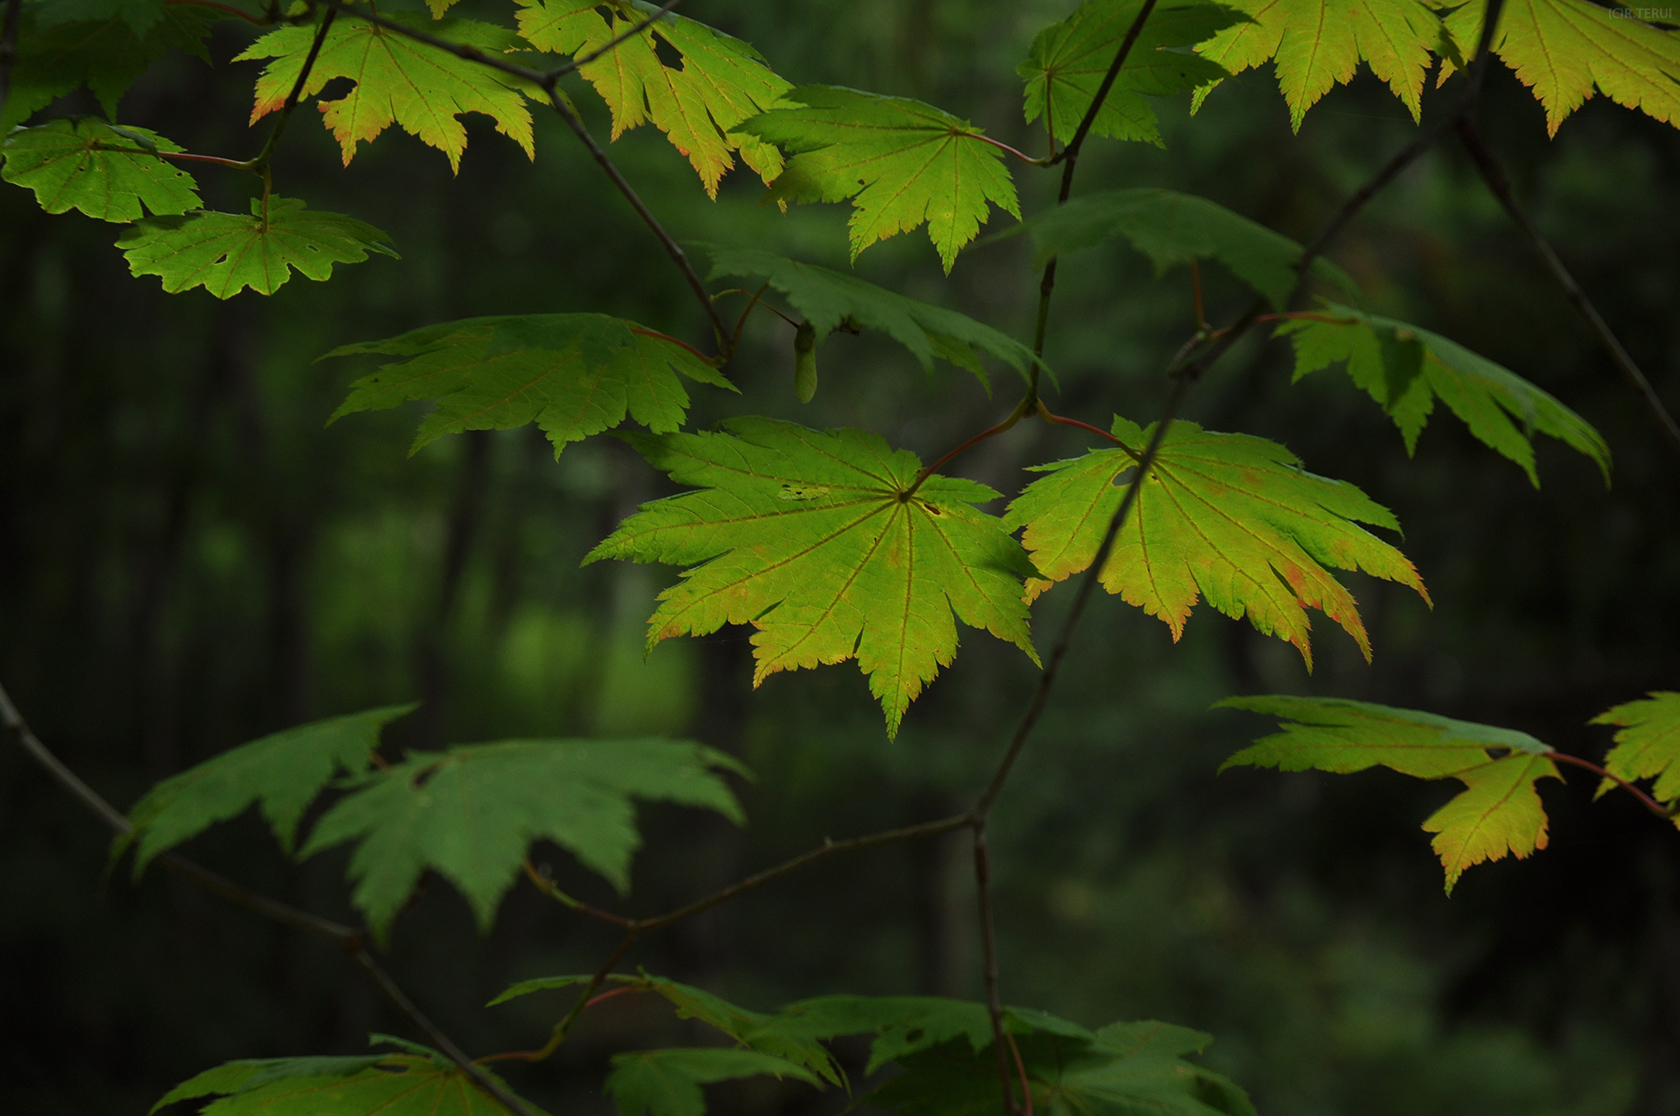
(190, 558)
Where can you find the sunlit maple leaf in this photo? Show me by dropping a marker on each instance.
(719, 82)
(109, 172)
(1068, 61)
(1405, 369)
(1319, 43)
(811, 538)
(1230, 517)
(900, 162)
(227, 252)
(1648, 745)
(1498, 812)
(1564, 49)
(421, 89)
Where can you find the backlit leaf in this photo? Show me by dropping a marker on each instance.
(1405, 369)
(900, 162)
(60, 49)
(1068, 60)
(1173, 229)
(809, 537)
(1648, 745)
(1565, 49)
(224, 252)
(421, 89)
(1499, 810)
(720, 82)
(283, 772)
(422, 1084)
(1228, 516)
(830, 300)
(667, 1082)
(572, 374)
(471, 812)
(1320, 43)
(104, 171)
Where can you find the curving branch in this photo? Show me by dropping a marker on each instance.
(1499, 184)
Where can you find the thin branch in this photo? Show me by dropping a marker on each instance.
(459, 50)
(260, 163)
(353, 940)
(443, 1042)
(1645, 800)
(1069, 157)
(548, 888)
(1499, 184)
(8, 50)
(611, 44)
(584, 1000)
(988, 945)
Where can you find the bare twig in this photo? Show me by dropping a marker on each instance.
(989, 962)
(1499, 184)
(260, 163)
(353, 940)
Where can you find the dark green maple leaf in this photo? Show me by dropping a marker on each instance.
(283, 771)
(224, 252)
(1068, 61)
(419, 1083)
(900, 162)
(1173, 229)
(1648, 745)
(470, 813)
(103, 170)
(1499, 810)
(812, 538)
(830, 300)
(572, 374)
(63, 46)
(1228, 516)
(1405, 369)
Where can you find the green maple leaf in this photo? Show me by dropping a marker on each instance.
(572, 374)
(1648, 745)
(470, 812)
(1405, 369)
(1320, 43)
(63, 46)
(900, 162)
(1125, 1069)
(1228, 516)
(1172, 229)
(420, 1083)
(1499, 810)
(1564, 49)
(105, 171)
(283, 771)
(421, 89)
(830, 300)
(225, 252)
(667, 1082)
(808, 536)
(1068, 60)
(721, 81)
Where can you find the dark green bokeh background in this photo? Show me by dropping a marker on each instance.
(189, 559)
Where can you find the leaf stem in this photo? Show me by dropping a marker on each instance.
(1044, 413)
(1499, 184)
(1021, 1069)
(1015, 151)
(989, 432)
(1645, 800)
(645, 332)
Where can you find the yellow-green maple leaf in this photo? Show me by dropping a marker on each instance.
(901, 163)
(1319, 43)
(1648, 745)
(1230, 517)
(810, 537)
(721, 81)
(1498, 812)
(1563, 49)
(399, 81)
